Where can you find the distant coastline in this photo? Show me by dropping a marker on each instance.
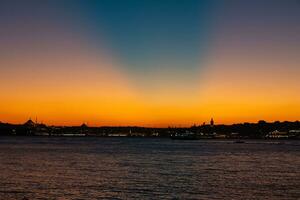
(259, 130)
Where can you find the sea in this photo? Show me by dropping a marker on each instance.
(78, 168)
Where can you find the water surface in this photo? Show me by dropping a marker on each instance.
(145, 168)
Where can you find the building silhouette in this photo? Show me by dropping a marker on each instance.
(211, 122)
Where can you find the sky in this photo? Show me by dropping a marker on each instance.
(149, 62)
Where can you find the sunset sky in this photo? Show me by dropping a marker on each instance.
(149, 62)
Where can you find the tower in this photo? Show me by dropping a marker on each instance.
(211, 122)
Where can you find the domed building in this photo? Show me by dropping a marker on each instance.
(29, 123)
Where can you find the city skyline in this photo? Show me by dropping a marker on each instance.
(149, 63)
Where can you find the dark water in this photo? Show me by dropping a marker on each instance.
(132, 168)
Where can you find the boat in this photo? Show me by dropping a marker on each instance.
(239, 141)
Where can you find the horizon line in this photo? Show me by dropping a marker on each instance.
(146, 126)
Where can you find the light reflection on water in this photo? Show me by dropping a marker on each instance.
(137, 168)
